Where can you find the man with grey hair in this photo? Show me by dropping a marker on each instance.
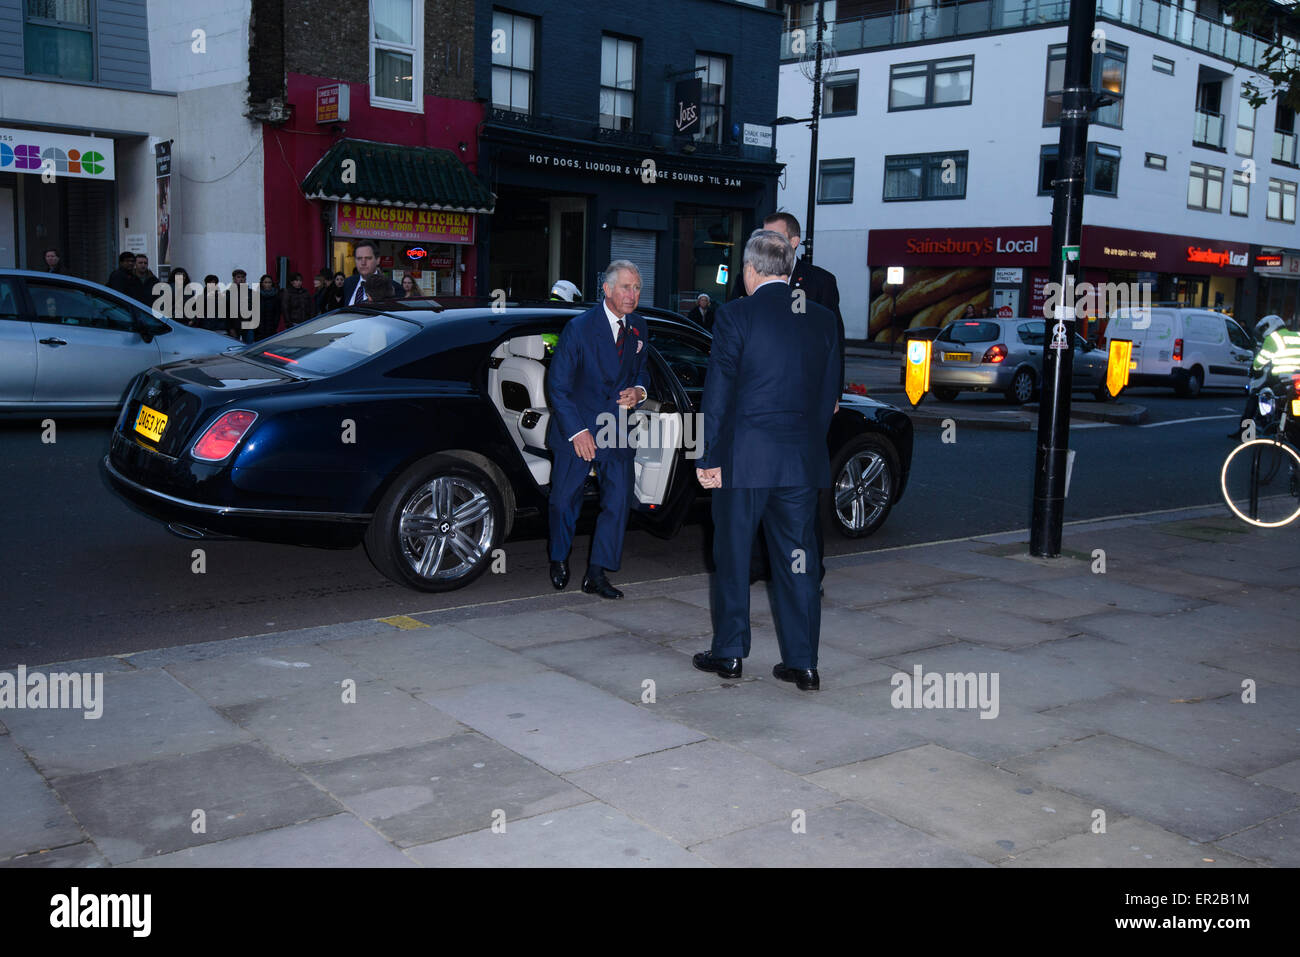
(769, 395)
(597, 370)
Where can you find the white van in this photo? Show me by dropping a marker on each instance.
(1188, 349)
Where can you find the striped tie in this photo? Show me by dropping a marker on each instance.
(622, 334)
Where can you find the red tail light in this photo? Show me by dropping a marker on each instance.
(1178, 350)
(223, 435)
(1295, 386)
(995, 353)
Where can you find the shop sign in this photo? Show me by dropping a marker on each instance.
(1008, 275)
(332, 103)
(1217, 257)
(650, 171)
(405, 225)
(998, 246)
(687, 94)
(1278, 264)
(758, 135)
(1106, 247)
(60, 154)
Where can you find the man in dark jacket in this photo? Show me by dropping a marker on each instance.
(123, 278)
(818, 283)
(145, 279)
(297, 304)
(703, 311)
(357, 287)
(54, 262)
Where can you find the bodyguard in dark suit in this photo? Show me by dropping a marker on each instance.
(595, 379)
(769, 395)
(355, 287)
(818, 283)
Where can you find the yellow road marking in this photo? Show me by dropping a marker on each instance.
(404, 622)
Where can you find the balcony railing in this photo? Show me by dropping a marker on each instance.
(1209, 129)
(984, 16)
(1284, 147)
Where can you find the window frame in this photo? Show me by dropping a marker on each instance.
(1205, 191)
(416, 52)
(930, 72)
(1089, 167)
(1242, 101)
(69, 26)
(133, 310)
(841, 78)
(1056, 51)
(1281, 192)
(635, 43)
(511, 69)
(929, 160)
(1157, 58)
(846, 164)
(724, 99)
(1239, 179)
(1163, 165)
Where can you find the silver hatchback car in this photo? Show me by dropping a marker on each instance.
(70, 344)
(1006, 355)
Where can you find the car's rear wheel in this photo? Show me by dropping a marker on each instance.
(1103, 394)
(1190, 387)
(944, 394)
(1021, 389)
(436, 528)
(864, 476)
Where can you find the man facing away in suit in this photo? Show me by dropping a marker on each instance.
(595, 379)
(770, 391)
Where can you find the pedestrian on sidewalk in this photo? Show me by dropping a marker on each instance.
(54, 262)
(765, 457)
(296, 303)
(122, 279)
(270, 309)
(331, 296)
(145, 280)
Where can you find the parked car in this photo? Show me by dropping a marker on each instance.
(418, 429)
(1187, 349)
(71, 344)
(1005, 355)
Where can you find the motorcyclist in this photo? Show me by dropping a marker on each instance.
(1278, 355)
(565, 291)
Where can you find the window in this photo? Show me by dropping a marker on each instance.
(1108, 70)
(840, 94)
(513, 61)
(73, 306)
(334, 342)
(1239, 205)
(617, 82)
(10, 300)
(835, 182)
(1284, 138)
(1101, 170)
(921, 176)
(1239, 337)
(1032, 333)
(1245, 126)
(1162, 65)
(1157, 161)
(918, 86)
(967, 331)
(687, 357)
(712, 71)
(1205, 188)
(58, 39)
(1281, 200)
(397, 54)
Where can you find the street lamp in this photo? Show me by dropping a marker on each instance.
(816, 78)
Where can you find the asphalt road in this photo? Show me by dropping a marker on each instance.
(84, 575)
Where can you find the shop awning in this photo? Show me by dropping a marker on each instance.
(415, 177)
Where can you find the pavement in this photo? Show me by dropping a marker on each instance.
(1139, 709)
(878, 371)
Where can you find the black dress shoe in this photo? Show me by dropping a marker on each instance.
(725, 667)
(560, 574)
(805, 679)
(593, 585)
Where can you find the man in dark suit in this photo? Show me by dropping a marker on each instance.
(356, 288)
(703, 311)
(769, 395)
(818, 283)
(595, 379)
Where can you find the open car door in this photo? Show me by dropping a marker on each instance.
(657, 437)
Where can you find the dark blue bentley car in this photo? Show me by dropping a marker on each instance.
(419, 429)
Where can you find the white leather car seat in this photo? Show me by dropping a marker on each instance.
(518, 386)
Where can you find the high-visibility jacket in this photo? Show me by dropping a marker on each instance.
(1282, 348)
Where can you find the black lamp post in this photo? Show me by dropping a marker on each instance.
(810, 222)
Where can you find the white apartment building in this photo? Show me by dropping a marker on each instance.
(937, 151)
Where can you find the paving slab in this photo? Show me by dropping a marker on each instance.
(962, 801)
(1104, 591)
(1223, 562)
(1173, 636)
(1228, 739)
(902, 572)
(1137, 668)
(620, 664)
(791, 729)
(442, 788)
(1022, 600)
(261, 644)
(1284, 776)
(1275, 705)
(561, 723)
(590, 835)
(1151, 575)
(662, 619)
(1029, 679)
(535, 627)
(32, 818)
(701, 791)
(1275, 842)
(319, 726)
(337, 841)
(839, 835)
(430, 659)
(240, 679)
(971, 621)
(84, 854)
(1116, 775)
(142, 810)
(1275, 665)
(1129, 843)
(864, 633)
(971, 558)
(146, 714)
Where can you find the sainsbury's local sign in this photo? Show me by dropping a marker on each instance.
(29, 151)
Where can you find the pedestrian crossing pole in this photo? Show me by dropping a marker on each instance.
(1050, 467)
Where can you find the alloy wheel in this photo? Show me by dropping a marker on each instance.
(862, 490)
(446, 528)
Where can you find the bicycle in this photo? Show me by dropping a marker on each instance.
(1260, 478)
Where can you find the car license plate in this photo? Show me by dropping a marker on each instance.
(1132, 365)
(150, 423)
(956, 357)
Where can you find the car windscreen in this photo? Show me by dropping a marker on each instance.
(332, 343)
(965, 331)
